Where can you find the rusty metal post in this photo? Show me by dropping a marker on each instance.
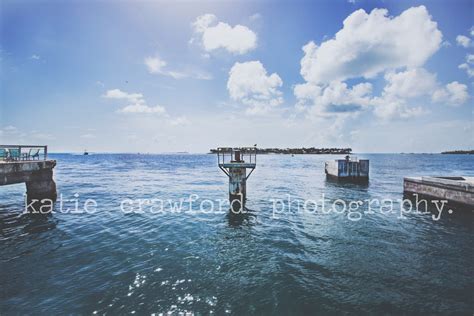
(237, 156)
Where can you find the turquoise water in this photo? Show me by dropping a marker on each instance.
(265, 262)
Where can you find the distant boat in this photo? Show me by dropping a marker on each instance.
(85, 152)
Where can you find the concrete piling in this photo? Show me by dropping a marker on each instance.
(232, 162)
(41, 186)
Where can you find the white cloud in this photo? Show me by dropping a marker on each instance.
(156, 65)
(468, 65)
(389, 107)
(136, 100)
(138, 105)
(410, 84)
(470, 58)
(143, 108)
(203, 22)
(336, 97)
(35, 57)
(255, 16)
(215, 35)
(119, 94)
(249, 83)
(397, 100)
(471, 31)
(463, 41)
(372, 43)
(367, 45)
(453, 94)
(446, 44)
(469, 70)
(401, 87)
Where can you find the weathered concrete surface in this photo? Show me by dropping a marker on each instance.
(38, 176)
(459, 190)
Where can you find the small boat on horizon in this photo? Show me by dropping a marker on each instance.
(85, 152)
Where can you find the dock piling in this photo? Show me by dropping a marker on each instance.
(232, 162)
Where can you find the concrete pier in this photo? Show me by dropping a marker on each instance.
(350, 168)
(37, 175)
(456, 190)
(232, 162)
(28, 164)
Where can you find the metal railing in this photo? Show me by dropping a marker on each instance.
(23, 152)
(242, 154)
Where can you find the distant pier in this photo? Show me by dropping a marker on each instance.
(29, 165)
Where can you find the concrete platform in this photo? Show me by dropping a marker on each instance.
(238, 165)
(459, 190)
(36, 174)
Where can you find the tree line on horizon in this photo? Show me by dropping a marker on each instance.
(297, 151)
(458, 152)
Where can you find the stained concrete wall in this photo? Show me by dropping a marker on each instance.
(457, 191)
(38, 176)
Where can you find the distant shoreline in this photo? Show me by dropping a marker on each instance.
(458, 152)
(463, 152)
(299, 151)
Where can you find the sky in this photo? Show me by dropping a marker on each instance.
(175, 76)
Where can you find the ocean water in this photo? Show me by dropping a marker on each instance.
(272, 260)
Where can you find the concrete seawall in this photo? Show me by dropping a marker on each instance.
(459, 190)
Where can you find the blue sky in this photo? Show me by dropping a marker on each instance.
(188, 76)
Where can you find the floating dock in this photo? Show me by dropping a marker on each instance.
(456, 190)
(350, 168)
